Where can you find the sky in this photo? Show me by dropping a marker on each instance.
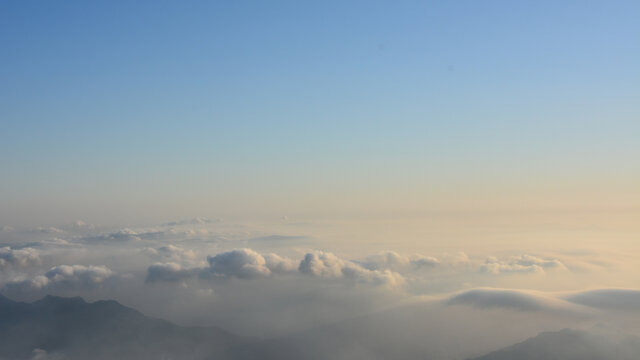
(274, 167)
(111, 110)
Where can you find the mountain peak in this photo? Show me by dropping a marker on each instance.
(58, 300)
(569, 344)
(78, 330)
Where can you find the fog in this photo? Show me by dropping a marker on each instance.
(286, 284)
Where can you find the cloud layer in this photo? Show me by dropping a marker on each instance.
(18, 257)
(249, 279)
(65, 276)
(249, 264)
(521, 300)
(520, 264)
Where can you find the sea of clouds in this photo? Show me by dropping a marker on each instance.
(279, 280)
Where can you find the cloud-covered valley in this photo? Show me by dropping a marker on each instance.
(280, 281)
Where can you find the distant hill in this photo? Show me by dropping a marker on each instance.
(570, 344)
(71, 328)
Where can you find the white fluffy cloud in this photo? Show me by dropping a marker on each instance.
(391, 260)
(277, 264)
(247, 264)
(322, 264)
(79, 274)
(327, 265)
(70, 276)
(240, 263)
(18, 257)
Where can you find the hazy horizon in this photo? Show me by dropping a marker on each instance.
(357, 179)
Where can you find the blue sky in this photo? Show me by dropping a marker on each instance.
(249, 102)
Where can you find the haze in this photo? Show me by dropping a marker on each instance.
(324, 180)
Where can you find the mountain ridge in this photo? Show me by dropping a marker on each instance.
(569, 344)
(103, 329)
(74, 329)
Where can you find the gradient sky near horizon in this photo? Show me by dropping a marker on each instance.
(424, 179)
(154, 109)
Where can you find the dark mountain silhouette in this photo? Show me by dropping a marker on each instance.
(570, 344)
(71, 328)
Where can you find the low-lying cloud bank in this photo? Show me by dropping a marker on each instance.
(610, 299)
(520, 300)
(171, 252)
(529, 300)
(126, 235)
(520, 264)
(251, 280)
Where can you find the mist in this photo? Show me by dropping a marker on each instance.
(350, 180)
